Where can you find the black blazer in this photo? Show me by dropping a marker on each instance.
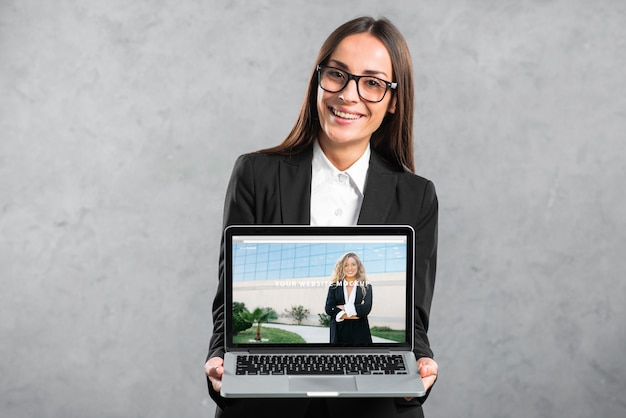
(349, 330)
(362, 303)
(274, 189)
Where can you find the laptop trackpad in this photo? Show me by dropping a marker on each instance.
(324, 384)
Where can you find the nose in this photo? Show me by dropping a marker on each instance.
(350, 92)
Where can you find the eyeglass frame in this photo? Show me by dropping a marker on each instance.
(388, 84)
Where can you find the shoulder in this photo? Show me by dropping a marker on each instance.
(256, 166)
(422, 187)
(256, 159)
(267, 161)
(334, 288)
(406, 180)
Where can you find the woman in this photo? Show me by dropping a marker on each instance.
(349, 301)
(347, 160)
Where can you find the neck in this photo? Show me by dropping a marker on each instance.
(342, 156)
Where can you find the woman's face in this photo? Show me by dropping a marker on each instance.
(346, 119)
(350, 268)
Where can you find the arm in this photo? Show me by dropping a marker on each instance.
(332, 304)
(364, 307)
(425, 270)
(335, 304)
(425, 226)
(238, 209)
(425, 267)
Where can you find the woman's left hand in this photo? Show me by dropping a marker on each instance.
(428, 369)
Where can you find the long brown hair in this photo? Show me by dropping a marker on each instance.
(394, 138)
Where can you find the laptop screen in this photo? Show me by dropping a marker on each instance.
(304, 286)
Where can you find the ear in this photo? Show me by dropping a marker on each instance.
(392, 105)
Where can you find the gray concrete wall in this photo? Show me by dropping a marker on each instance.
(119, 124)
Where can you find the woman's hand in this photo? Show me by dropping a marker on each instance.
(214, 369)
(428, 369)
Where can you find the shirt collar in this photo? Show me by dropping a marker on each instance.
(357, 171)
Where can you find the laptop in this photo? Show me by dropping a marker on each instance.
(278, 283)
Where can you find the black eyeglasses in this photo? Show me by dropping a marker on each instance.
(371, 89)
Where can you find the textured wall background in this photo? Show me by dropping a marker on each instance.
(119, 124)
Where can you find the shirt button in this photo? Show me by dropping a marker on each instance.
(338, 212)
(342, 177)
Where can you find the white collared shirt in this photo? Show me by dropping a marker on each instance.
(348, 307)
(336, 196)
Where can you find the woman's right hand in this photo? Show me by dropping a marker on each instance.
(214, 369)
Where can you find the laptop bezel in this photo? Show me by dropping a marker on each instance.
(298, 230)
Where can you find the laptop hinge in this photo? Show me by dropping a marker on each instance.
(359, 350)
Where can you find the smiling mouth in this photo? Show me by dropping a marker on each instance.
(344, 115)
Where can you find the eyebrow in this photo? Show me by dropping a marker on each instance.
(365, 72)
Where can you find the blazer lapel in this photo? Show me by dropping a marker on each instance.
(295, 188)
(379, 192)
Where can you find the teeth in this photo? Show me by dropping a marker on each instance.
(345, 115)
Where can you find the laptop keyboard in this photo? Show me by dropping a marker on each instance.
(320, 364)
